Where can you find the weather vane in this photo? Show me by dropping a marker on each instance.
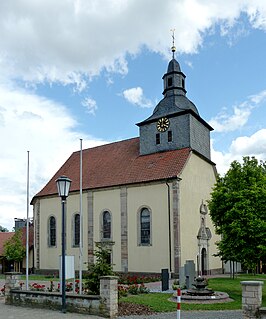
(173, 47)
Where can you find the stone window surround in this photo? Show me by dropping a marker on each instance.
(101, 225)
(49, 232)
(74, 245)
(139, 226)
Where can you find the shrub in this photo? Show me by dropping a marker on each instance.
(133, 289)
(37, 287)
(3, 289)
(134, 279)
(138, 289)
(122, 291)
(100, 268)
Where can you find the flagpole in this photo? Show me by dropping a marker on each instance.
(27, 225)
(80, 225)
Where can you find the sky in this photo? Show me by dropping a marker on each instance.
(92, 69)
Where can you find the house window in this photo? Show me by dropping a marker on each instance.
(170, 81)
(106, 225)
(145, 227)
(52, 232)
(76, 230)
(170, 136)
(183, 83)
(158, 140)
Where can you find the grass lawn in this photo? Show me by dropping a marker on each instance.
(159, 301)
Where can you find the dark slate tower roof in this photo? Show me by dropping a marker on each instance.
(183, 126)
(175, 99)
(173, 66)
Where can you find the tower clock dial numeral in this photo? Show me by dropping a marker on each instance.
(163, 124)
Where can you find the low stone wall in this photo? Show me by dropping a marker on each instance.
(252, 299)
(52, 300)
(105, 305)
(262, 313)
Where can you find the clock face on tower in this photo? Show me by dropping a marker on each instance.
(163, 124)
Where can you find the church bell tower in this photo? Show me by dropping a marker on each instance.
(175, 122)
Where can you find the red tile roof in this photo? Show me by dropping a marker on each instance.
(6, 236)
(117, 164)
(3, 238)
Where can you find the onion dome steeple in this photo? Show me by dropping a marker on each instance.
(174, 79)
(175, 122)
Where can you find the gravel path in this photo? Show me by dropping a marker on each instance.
(192, 315)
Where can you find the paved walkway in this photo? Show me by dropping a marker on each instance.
(13, 312)
(193, 315)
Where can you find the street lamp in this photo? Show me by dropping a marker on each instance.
(63, 186)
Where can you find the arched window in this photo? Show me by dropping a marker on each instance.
(145, 227)
(52, 231)
(106, 222)
(76, 230)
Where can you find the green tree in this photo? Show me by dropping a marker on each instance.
(14, 249)
(3, 229)
(101, 267)
(238, 210)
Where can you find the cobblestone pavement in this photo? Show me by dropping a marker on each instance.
(13, 312)
(193, 315)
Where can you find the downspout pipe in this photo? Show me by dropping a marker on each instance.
(169, 226)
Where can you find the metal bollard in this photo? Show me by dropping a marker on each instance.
(165, 279)
(178, 305)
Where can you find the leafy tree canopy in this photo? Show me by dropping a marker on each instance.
(238, 210)
(3, 229)
(13, 247)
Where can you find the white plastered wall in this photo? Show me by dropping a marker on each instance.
(109, 200)
(49, 256)
(154, 257)
(198, 178)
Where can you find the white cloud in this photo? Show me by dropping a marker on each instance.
(189, 64)
(258, 98)
(254, 145)
(225, 122)
(90, 105)
(70, 41)
(250, 145)
(257, 14)
(135, 96)
(41, 126)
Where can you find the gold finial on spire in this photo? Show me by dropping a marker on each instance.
(173, 47)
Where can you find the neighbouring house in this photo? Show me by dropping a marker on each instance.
(145, 197)
(6, 265)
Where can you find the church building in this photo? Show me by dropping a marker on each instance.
(145, 197)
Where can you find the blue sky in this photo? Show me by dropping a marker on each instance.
(93, 69)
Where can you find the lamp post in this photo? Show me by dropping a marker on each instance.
(63, 186)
